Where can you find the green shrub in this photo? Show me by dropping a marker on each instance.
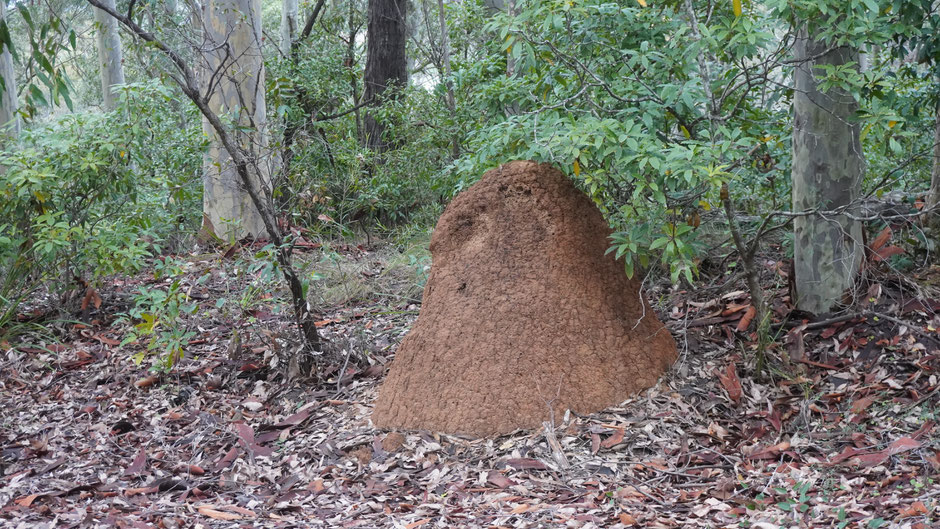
(87, 194)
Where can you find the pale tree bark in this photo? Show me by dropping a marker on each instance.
(9, 117)
(445, 54)
(495, 5)
(508, 7)
(445, 58)
(386, 61)
(350, 63)
(933, 196)
(110, 56)
(290, 14)
(828, 166)
(234, 80)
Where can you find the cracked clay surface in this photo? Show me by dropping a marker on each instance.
(523, 313)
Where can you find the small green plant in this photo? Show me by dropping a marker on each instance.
(422, 267)
(168, 267)
(161, 323)
(798, 498)
(263, 269)
(843, 519)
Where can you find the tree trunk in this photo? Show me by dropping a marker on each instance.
(110, 56)
(495, 5)
(386, 62)
(290, 13)
(933, 196)
(9, 118)
(508, 7)
(350, 63)
(445, 58)
(235, 78)
(828, 166)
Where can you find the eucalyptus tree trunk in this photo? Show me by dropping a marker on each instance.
(445, 58)
(508, 7)
(828, 166)
(933, 196)
(290, 14)
(9, 118)
(110, 56)
(234, 73)
(350, 63)
(386, 61)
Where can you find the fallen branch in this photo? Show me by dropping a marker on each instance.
(822, 324)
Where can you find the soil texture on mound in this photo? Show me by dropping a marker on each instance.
(524, 314)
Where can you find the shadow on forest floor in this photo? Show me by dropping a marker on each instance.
(846, 439)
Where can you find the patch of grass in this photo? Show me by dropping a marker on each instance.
(394, 272)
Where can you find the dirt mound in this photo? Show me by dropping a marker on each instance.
(523, 313)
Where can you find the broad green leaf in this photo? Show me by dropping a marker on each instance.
(36, 94)
(5, 40)
(24, 12)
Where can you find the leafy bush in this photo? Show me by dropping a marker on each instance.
(652, 129)
(87, 194)
(599, 90)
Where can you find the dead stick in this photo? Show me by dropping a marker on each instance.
(915, 330)
(864, 314)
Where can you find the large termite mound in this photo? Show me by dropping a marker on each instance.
(524, 314)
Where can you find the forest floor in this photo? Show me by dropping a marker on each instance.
(846, 436)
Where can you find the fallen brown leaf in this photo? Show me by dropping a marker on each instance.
(627, 519)
(881, 239)
(195, 470)
(614, 439)
(146, 382)
(747, 318)
(915, 509)
(498, 480)
(316, 486)
(862, 404)
(26, 501)
(240, 510)
(524, 463)
(595, 443)
(770, 452)
(138, 464)
(886, 252)
(729, 380)
(91, 298)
